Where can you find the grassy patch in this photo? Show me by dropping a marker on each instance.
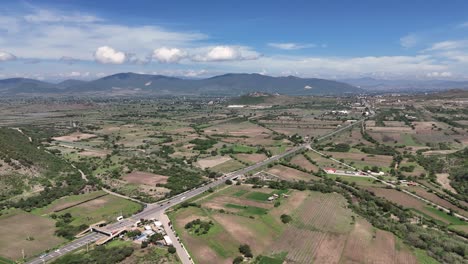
(67, 201)
(252, 210)
(276, 259)
(258, 196)
(240, 193)
(362, 181)
(105, 208)
(451, 219)
(6, 261)
(422, 257)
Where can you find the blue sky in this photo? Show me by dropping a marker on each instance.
(55, 40)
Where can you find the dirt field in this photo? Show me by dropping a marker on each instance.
(322, 230)
(242, 229)
(443, 179)
(212, 161)
(436, 199)
(370, 160)
(300, 160)
(16, 227)
(145, 178)
(404, 200)
(251, 158)
(325, 212)
(287, 173)
(77, 136)
(373, 246)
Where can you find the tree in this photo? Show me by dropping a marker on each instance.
(171, 249)
(238, 259)
(155, 238)
(144, 244)
(245, 250)
(286, 218)
(228, 182)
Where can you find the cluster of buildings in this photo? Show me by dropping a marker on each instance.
(149, 228)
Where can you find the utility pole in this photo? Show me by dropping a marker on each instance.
(22, 253)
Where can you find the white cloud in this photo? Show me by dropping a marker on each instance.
(409, 41)
(291, 46)
(5, 56)
(51, 16)
(108, 55)
(168, 55)
(47, 34)
(227, 53)
(448, 45)
(439, 74)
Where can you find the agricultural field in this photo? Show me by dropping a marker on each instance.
(322, 230)
(90, 208)
(57, 156)
(287, 173)
(416, 205)
(21, 230)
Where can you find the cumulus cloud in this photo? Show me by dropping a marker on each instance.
(5, 56)
(227, 53)
(291, 46)
(168, 55)
(57, 33)
(108, 55)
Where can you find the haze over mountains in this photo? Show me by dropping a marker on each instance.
(132, 83)
(222, 85)
(411, 86)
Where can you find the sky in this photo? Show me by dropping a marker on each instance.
(72, 39)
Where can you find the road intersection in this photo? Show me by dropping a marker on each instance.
(157, 209)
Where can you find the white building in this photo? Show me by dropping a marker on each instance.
(168, 240)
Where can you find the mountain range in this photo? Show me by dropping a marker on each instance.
(405, 86)
(141, 84)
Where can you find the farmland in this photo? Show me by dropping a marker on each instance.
(153, 148)
(323, 229)
(26, 231)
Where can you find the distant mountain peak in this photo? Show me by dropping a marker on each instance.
(231, 84)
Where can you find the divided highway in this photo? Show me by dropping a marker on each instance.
(157, 209)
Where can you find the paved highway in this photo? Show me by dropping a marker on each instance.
(156, 209)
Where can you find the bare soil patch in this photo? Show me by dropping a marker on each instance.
(212, 162)
(251, 158)
(287, 173)
(145, 178)
(17, 227)
(76, 136)
(301, 161)
(240, 228)
(443, 179)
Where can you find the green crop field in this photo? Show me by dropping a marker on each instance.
(258, 196)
